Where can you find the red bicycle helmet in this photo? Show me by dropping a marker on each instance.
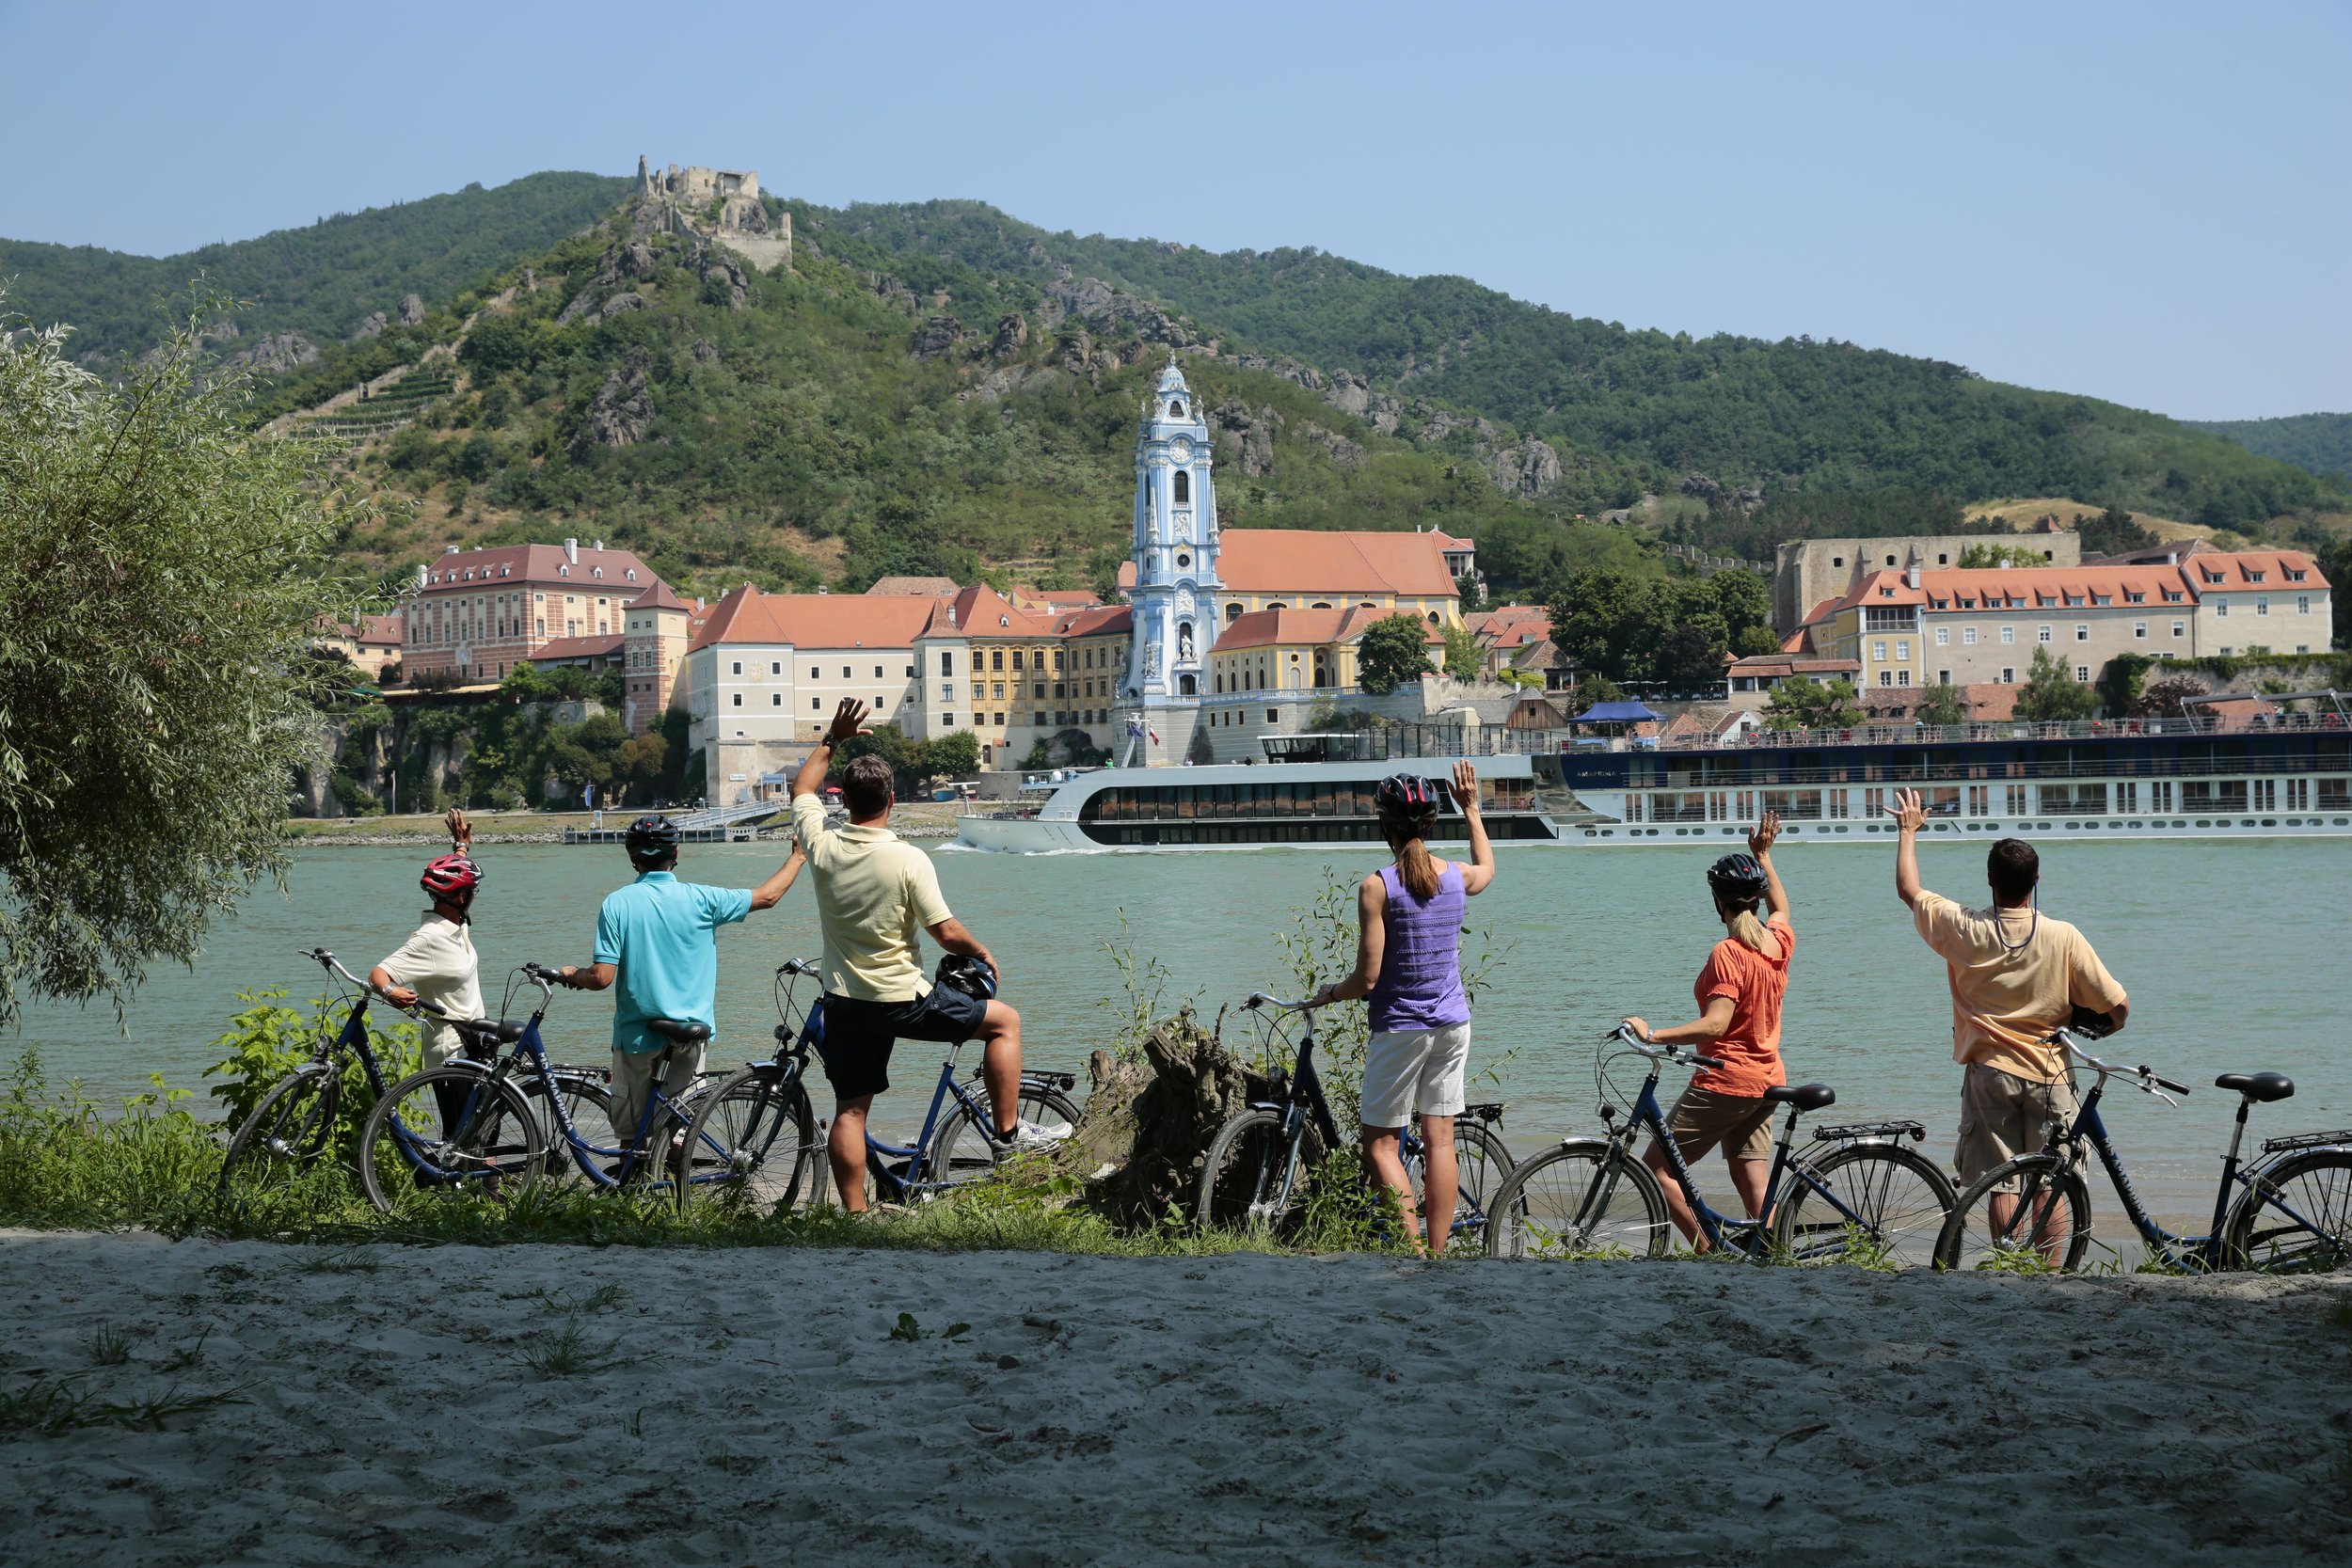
(450, 876)
(1406, 794)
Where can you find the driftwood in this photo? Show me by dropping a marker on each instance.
(1147, 1124)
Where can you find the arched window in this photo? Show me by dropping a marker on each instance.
(1184, 488)
(1185, 685)
(1232, 611)
(1320, 603)
(1175, 410)
(1433, 617)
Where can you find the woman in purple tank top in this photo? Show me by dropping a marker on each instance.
(1409, 961)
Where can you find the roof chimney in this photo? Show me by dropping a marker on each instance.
(599, 546)
(571, 551)
(449, 549)
(1911, 575)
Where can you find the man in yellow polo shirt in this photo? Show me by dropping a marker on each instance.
(875, 893)
(2016, 976)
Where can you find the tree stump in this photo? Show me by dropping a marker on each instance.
(1147, 1125)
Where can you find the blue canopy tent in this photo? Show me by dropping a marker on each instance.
(1616, 713)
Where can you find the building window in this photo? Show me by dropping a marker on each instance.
(1942, 678)
(738, 699)
(817, 705)
(845, 672)
(2042, 634)
(2009, 634)
(1902, 677)
(2179, 628)
(2008, 676)
(996, 659)
(2082, 673)
(1184, 488)
(999, 718)
(1838, 560)
(2262, 604)
(948, 720)
(2221, 606)
(2082, 632)
(1887, 677)
(1903, 649)
(739, 666)
(1233, 613)
(2139, 629)
(1878, 652)
(1942, 637)
(2302, 604)
(1968, 636)
(1016, 659)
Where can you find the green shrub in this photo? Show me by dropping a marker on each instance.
(268, 1039)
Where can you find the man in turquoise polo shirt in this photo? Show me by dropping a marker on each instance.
(658, 937)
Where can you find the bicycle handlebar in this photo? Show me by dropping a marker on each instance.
(1259, 999)
(1682, 1055)
(2143, 1077)
(796, 967)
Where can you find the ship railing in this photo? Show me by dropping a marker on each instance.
(2018, 729)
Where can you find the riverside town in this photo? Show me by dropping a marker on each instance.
(1042, 838)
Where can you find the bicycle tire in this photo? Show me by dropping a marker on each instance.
(1584, 1197)
(1254, 1177)
(2311, 1224)
(1898, 1193)
(962, 1150)
(1482, 1164)
(2045, 1182)
(587, 1103)
(497, 1149)
(753, 1143)
(284, 1136)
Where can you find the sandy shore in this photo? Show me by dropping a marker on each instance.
(1127, 1411)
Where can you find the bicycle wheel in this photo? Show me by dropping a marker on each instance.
(283, 1138)
(587, 1104)
(493, 1146)
(1585, 1198)
(2299, 1218)
(1898, 1201)
(753, 1143)
(2043, 1225)
(963, 1150)
(1481, 1165)
(1255, 1176)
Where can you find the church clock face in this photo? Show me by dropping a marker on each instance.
(1180, 452)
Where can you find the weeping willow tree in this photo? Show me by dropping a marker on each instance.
(162, 574)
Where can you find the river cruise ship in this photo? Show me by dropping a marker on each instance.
(2265, 775)
(1309, 789)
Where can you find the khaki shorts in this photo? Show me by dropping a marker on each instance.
(1702, 1119)
(1409, 1069)
(632, 1075)
(2002, 1117)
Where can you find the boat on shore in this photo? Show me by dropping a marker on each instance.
(2211, 775)
(1311, 789)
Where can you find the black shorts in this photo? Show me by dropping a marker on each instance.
(855, 1046)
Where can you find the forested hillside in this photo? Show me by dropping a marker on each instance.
(1740, 410)
(322, 282)
(2321, 443)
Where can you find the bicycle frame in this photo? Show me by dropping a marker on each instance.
(1790, 1169)
(917, 1179)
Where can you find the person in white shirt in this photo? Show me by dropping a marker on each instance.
(436, 964)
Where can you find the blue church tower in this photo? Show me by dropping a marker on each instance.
(1175, 554)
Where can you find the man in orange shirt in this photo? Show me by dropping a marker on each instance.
(2016, 976)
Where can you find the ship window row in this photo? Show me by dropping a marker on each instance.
(1317, 797)
(2130, 797)
(1759, 769)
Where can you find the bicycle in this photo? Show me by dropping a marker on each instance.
(1867, 1199)
(756, 1138)
(1258, 1166)
(2287, 1211)
(293, 1126)
(491, 1141)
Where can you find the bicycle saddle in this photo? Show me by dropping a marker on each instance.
(1805, 1097)
(685, 1033)
(490, 1031)
(2265, 1087)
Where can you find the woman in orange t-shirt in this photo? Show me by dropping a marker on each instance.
(1738, 994)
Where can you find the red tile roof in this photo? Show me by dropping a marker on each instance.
(537, 563)
(1329, 563)
(1263, 628)
(660, 598)
(816, 620)
(2229, 569)
(565, 648)
(925, 588)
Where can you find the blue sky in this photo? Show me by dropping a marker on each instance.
(2146, 202)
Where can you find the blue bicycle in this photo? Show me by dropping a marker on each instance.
(291, 1130)
(1855, 1192)
(2288, 1210)
(472, 1130)
(756, 1138)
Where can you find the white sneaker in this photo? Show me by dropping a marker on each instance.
(1029, 1135)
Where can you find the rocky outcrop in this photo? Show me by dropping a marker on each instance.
(1100, 306)
(1352, 394)
(279, 351)
(937, 335)
(891, 291)
(1012, 335)
(622, 411)
(622, 303)
(997, 384)
(1437, 424)
(1249, 432)
(724, 280)
(372, 325)
(705, 352)
(1283, 365)
(411, 310)
(1346, 454)
(1528, 468)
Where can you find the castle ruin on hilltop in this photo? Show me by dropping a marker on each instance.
(720, 205)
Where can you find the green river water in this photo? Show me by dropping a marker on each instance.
(2234, 953)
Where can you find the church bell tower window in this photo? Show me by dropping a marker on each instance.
(1176, 411)
(1184, 488)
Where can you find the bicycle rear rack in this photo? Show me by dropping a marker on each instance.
(1872, 1131)
(1491, 1111)
(2307, 1140)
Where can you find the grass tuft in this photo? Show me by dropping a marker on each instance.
(107, 1346)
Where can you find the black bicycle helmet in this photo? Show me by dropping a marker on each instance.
(1406, 795)
(652, 838)
(975, 977)
(1738, 876)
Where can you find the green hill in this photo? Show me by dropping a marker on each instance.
(321, 281)
(2321, 443)
(1738, 410)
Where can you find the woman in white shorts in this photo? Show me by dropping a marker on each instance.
(1409, 961)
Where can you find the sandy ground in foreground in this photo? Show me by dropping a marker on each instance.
(1133, 1411)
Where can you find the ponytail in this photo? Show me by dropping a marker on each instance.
(1415, 866)
(1747, 928)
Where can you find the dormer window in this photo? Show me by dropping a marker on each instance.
(630, 574)
(2295, 573)
(563, 571)
(596, 571)
(2255, 577)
